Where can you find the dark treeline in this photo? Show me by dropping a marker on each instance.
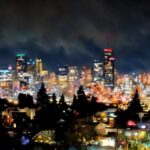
(51, 114)
(65, 120)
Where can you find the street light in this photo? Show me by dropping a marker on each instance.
(141, 114)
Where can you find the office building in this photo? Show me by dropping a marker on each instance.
(63, 71)
(109, 68)
(21, 63)
(39, 66)
(98, 70)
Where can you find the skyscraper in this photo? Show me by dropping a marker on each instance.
(63, 71)
(73, 74)
(39, 66)
(31, 66)
(21, 63)
(108, 68)
(86, 76)
(98, 70)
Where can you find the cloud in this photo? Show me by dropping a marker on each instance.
(78, 31)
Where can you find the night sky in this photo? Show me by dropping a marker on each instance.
(75, 32)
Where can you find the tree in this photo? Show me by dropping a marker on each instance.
(93, 106)
(62, 104)
(25, 100)
(74, 103)
(62, 100)
(131, 113)
(30, 101)
(82, 102)
(54, 98)
(22, 100)
(3, 104)
(47, 117)
(81, 92)
(42, 97)
(135, 106)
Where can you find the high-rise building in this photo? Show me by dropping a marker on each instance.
(21, 63)
(31, 66)
(39, 66)
(63, 75)
(41, 74)
(73, 74)
(5, 79)
(109, 68)
(86, 75)
(98, 70)
(53, 78)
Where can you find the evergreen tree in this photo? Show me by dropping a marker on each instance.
(42, 97)
(62, 104)
(62, 100)
(131, 113)
(25, 100)
(135, 106)
(82, 102)
(54, 98)
(93, 106)
(48, 116)
(30, 103)
(81, 92)
(22, 100)
(3, 104)
(74, 103)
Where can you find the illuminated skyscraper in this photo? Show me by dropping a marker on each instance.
(73, 74)
(53, 78)
(63, 75)
(86, 75)
(39, 66)
(108, 68)
(21, 63)
(98, 70)
(31, 66)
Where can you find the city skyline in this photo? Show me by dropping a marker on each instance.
(75, 33)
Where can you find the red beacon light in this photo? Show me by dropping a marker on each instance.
(108, 50)
(111, 58)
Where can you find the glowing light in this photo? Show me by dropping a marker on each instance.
(142, 126)
(131, 123)
(108, 50)
(20, 55)
(136, 133)
(25, 140)
(128, 133)
(111, 58)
